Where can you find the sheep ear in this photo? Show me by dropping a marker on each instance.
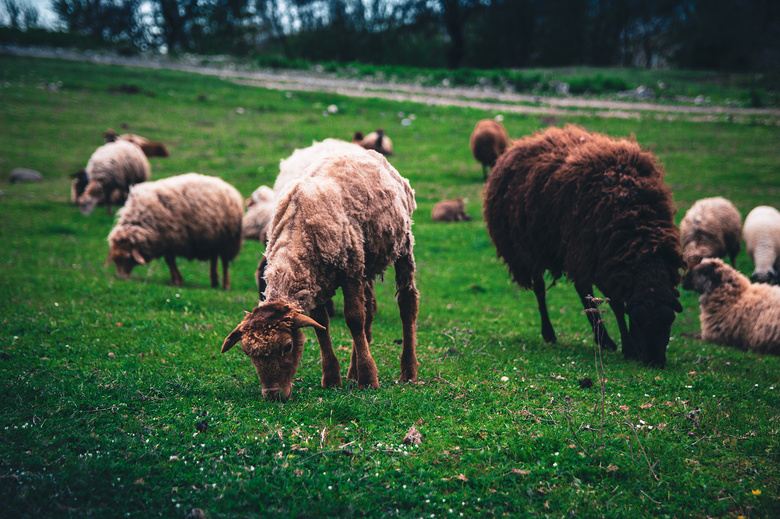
(235, 336)
(138, 258)
(109, 259)
(302, 321)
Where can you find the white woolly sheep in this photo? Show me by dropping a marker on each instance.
(711, 228)
(450, 211)
(735, 312)
(110, 172)
(150, 148)
(340, 225)
(376, 140)
(762, 241)
(488, 141)
(260, 209)
(191, 216)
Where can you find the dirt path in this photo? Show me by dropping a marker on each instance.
(485, 98)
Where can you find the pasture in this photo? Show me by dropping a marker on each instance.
(116, 402)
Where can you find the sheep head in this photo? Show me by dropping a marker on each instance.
(93, 194)
(767, 276)
(271, 337)
(705, 276)
(124, 252)
(650, 318)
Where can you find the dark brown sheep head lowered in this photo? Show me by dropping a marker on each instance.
(650, 320)
(271, 337)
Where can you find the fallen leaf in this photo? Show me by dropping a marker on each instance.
(623, 408)
(413, 437)
(520, 472)
(612, 468)
(646, 406)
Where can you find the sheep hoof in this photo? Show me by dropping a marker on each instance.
(372, 382)
(331, 380)
(608, 344)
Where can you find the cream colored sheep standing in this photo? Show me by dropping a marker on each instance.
(340, 225)
(735, 312)
(711, 228)
(762, 241)
(191, 216)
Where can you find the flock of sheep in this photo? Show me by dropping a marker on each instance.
(563, 201)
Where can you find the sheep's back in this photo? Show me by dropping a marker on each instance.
(761, 233)
(716, 223)
(118, 164)
(294, 166)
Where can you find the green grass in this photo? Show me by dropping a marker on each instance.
(102, 381)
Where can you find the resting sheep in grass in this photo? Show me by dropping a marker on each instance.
(596, 208)
(340, 225)
(110, 172)
(192, 216)
(711, 228)
(735, 312)
(488, 141)
(762, 241)
(376, 140)
(150, 148)
(260, 209)
(450, 211)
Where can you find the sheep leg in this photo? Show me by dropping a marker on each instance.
(626, 344)
(331, 372)
(484, 172)
(355, 316)
(213, 272)
(176, 277)
(600, 334)
(408, 306)
(260, 277)
(331, 308)
(368, 288)
(225, 273)
(548, 333)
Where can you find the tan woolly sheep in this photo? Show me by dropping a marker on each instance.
(110, 172)
(735, 312)
(340, 225)
(488, 141)
(376, 140)
(150, 148)
(260, 209)
(711, 228)
(450, 211)
(191, 216)
(762, 241)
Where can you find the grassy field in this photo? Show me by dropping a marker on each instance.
(115, 400)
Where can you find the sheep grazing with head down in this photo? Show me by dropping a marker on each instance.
(150, 148)
(762, 241)
(735, 312)
(191, 216)
(340, 225)
(488, 141)
(110, 172)
(596, 208)
(711, 228)
(259, 210)
(376, 140)
(450, 211)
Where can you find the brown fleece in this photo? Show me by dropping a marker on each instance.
(488, 141)
(113, 167)
(711, 228)
(450, 211)
(150, 148)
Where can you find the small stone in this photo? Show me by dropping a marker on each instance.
(20, 175)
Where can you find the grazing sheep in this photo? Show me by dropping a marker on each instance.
(735, 312)
(340, 225)
(110, 172)
(762, 241)
(450, 211)
(150, 148)
(596, 208)
(711, 228)
(488, 141)
(376, 140)
(260, 209)
(192, 216)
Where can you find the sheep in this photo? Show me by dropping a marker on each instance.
(711, 228)
(735, 312)
(376, 140)
(450, 211)
(596, 208)
(110, 172)
(762, 241)
(150, 148)
(488, 141)
(260, 207)
(192, 216)
(340, 225)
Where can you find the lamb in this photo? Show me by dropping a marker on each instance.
(596, 208)
(450, 211)
(376, 140)
(192, 216)
(762, 241)
(260, 208)
(150, 148)
(488, 141)
(735, 312)
(110, 172)
(340, 225)
(711, 228)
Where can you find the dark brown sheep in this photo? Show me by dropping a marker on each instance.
(597, 209)
(488, 141)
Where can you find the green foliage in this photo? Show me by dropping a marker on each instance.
(117, 402)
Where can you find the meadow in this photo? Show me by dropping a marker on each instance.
(116, 402)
